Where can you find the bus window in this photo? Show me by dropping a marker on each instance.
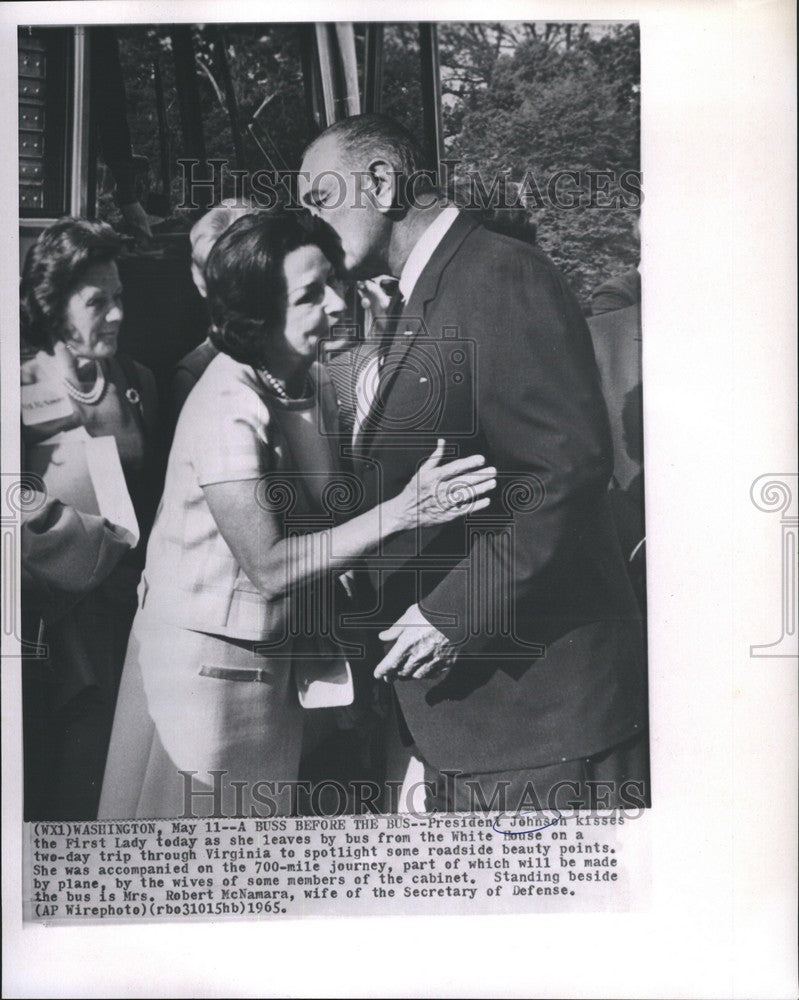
(244, 104)
(233, 94)
(266, 66)
(134, 112)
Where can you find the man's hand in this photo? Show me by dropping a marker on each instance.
(420, 650)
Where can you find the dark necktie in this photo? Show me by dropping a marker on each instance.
(385, 331)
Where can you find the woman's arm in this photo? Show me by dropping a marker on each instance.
(276, 564)
(64, 554)
(62, 548)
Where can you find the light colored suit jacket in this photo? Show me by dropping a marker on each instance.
(229, 430)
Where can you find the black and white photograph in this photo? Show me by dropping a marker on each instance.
(399, 499)
(354, 310)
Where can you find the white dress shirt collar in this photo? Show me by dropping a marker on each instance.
(424, 249)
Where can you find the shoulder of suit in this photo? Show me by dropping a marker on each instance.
(137, 374)
(226, 393)
(225, 378)
(620, 290)
(198, 359)
(142, 371)
(485, 249)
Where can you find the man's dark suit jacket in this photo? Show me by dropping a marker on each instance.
(188, 372)
(493, 354)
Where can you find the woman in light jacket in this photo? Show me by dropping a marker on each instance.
(242, 567)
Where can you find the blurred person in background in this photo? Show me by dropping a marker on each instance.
(204, 234)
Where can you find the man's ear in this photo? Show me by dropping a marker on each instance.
(384, 181)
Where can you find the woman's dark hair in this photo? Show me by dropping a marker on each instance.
(245, 282)
(53, 266)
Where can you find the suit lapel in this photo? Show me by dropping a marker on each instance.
(427, 283)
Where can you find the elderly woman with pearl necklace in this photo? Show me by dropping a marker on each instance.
(76, 386)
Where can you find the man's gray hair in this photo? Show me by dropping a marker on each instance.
(363, 138)
(207, 230)
(204, 234)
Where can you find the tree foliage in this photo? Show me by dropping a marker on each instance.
(538, 99)
(520, 100)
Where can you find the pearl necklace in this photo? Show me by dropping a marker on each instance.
(277, 387)
(93, 396)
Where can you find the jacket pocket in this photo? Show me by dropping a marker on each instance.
(257, 674)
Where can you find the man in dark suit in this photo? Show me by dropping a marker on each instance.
(514, 637)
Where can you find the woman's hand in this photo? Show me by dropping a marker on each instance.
(440, 493)
(278, 562)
